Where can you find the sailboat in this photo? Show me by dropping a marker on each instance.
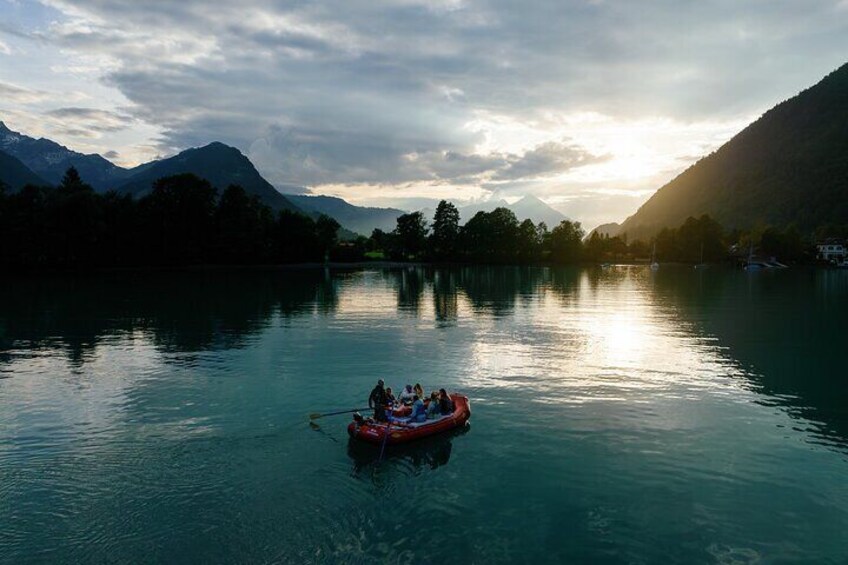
(701, 265)
(752, 265)
(654, 264)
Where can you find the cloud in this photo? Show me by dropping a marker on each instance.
(87, 122)
(547, 159)
(383, 94)
(13, 93)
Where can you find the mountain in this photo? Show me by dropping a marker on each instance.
(789, 166)
(529, 207)
(49, 160)
(220, 164)
(610, 230)
(15, 174)
(360, 219)
(533, 208)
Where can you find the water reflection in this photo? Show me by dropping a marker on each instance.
(178, 312)
(425, 454)
(652, 413)
(778, 332)
(786, 329)
(445, 295)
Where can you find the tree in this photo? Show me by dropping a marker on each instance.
(411, 231)
(327, 234)
(445, 236)
(491, 236)
(74, 222)
(566, 242)
(529, 241)
(242, 228)
(178, 217)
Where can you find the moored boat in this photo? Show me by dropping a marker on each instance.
(402, 432)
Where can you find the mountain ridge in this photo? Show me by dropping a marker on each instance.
(359, 219)
(49, 160)
(15, 175)
(788, 166)
(220, 164)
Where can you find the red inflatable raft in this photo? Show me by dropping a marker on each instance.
(375, 432)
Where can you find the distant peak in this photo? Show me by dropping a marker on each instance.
(531, 198)
(219, 146)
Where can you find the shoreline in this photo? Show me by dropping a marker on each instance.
(343, 265)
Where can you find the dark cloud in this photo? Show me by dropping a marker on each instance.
(361, 92)
(90, 120)
(548, 159)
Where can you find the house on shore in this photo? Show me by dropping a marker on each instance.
(832, 251)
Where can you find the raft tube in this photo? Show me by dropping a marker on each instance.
(375, 432)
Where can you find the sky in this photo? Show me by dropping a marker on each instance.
(589, 105)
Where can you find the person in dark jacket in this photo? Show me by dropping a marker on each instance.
(445, 403)
(377, 400)
(433, 408)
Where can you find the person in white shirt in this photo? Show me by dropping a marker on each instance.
(406, 396)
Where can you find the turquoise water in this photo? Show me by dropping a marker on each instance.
(619, 416)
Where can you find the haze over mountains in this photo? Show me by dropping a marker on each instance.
(789, 166)
(528, 207)
(359, 219)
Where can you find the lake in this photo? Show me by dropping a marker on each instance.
(618, 416)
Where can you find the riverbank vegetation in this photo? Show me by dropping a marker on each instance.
(184, 221)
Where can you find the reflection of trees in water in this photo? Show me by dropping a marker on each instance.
(180, 311)
(564, 282)
(497, 289)
(326, 294)
(788, 327)
(409, 286)
(445, 295)
(489, 289)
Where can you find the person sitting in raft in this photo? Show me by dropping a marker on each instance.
(433, 409)
(406, 396)
(390, 398)
(445, 403)
(419, 390)
(418, 414)
(377, 401)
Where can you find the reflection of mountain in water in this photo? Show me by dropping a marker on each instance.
(786, 329)
(179, 312)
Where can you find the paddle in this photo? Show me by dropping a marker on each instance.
(315, 415)
(385, 437)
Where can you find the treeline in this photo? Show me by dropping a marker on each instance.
(703, 240)
(488, 237)
(498, 237)
(181, 222)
